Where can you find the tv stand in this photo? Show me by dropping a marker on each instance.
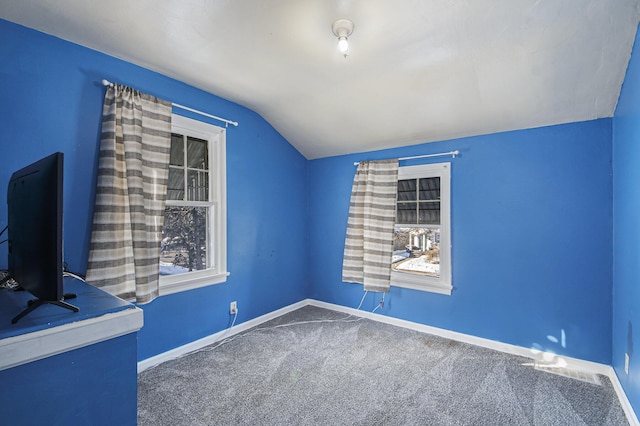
(62, 351)
(35, 303)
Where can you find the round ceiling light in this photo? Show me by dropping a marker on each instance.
(342, 28)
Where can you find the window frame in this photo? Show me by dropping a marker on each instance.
(442, 284)
(217, 272)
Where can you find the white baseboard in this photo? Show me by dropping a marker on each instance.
(213, 338)
(535, 355)
(622, 397)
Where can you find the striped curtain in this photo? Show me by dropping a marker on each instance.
(368, 246)
(133, 168)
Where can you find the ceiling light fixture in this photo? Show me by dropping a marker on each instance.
(342, 28)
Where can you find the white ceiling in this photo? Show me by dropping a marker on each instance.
(419, 70)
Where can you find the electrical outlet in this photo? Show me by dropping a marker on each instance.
(626, 364)
(233, 307)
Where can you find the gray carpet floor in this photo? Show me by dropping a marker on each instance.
(319, 367)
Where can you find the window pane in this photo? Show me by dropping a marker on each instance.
(197, 185)
(175, 185)
(407, 213)
(429, 213)
(197, 154)
(184, 240)
(430, 188)
(177, 150)
(417, 251)
(407, 190)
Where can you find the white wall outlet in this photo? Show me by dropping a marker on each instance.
(233, 307)
(626, 364)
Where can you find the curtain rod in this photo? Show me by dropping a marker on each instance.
(234, 123)
(441, 154)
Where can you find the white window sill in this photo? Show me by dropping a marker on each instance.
(417, 282)
(170, 284)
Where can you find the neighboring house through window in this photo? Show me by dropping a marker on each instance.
(422, 235)
(193, 247)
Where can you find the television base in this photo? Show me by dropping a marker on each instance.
(35, 303)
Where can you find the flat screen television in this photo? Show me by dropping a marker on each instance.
(34, 222)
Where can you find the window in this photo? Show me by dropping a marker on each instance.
(422, 243)
(193, 247)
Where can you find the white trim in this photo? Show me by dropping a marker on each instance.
(575, 363)
(216, 337)
(217, 229)
(417, 282)
(622, 397)
(546, 357)
(189, 280)
(534, 354)
(41, 344)
(442, 284)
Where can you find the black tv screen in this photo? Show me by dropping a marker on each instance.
(34, 200)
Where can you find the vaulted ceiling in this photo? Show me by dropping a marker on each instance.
(418, 70)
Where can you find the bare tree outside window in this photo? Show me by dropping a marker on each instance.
(185, 231)
(184, 240)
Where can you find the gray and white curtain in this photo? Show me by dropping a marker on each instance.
(133, 168)
(368, 246)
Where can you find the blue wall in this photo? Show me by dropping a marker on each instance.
(51, 100)
(533, 213)
(626, 230)
(94, 385)
(531, 239)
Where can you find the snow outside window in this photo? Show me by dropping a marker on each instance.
(422, 243)
(193, 246)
